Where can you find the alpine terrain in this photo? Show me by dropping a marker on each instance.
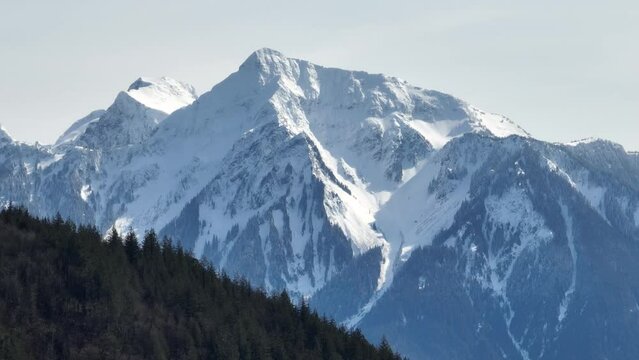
(406, 212)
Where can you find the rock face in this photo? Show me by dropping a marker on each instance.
(537, 262)
(404, 211)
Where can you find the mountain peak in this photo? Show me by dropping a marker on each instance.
(269, 63)
(164, 94)
(265, 56)
(139, 83)
(4, 135)
(265, 51)
(133, 116)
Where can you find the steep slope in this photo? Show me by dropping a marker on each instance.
(276, 214)
(78, 128)
(354, 138)
(18, 163)
(62, 178)
(4, 135)
(537, 257)
(136, 113)
(369, 132)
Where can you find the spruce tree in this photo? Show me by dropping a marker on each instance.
(131, 246)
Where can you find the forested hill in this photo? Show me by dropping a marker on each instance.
(67, 294)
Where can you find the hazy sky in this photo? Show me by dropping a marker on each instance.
(563, 70)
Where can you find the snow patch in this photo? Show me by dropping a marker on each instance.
(438, 133)
(43, 164)
(163, 94)
(497, 125)
(405, 253)
(563, 307)
(525, 229)
(421, 283)
(588, 140)
(579, 180)
(85, 192)
(78, 128)
(123, 225)
(278, 221)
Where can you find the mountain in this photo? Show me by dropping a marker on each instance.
(66, 294)
(62, 178)
(133, 117)
(303, 158)
(79, 127)
(537, 260)
(403, 211)
(4, 136)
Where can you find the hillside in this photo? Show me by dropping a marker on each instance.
(67, 294)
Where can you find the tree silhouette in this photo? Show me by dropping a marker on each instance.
(67, 294)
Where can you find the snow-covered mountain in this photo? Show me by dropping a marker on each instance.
(133, 117)
(404, 211)
(537, 262)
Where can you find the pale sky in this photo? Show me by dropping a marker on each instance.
(563, 70)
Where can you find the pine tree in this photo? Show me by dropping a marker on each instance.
(150, 246)
(131, 246)
(79, 297)
(385, 349)
(114, 238)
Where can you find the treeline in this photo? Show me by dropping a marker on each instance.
(67, 294)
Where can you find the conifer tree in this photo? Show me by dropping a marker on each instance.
(67, 294)
(131, 246)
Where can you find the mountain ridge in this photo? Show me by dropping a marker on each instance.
(331, 184)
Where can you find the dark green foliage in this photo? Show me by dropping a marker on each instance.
(66, 294)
